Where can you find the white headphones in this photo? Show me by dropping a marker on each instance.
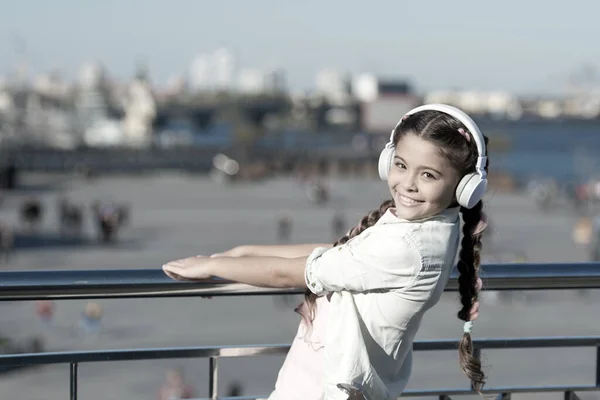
(471, 188)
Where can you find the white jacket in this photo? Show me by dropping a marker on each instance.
(381, 283)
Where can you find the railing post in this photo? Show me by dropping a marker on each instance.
(503, 396)
(570, 395)
(445, 397)
(213, 384)
(73, 381)
(598, 366)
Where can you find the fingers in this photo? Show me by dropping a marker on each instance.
(175, 269)
(191, 268)
(169, 270)
(181, 264)
(173, 275)
(478, 284)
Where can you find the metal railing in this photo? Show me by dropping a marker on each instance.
(128, 283)
(35, 285)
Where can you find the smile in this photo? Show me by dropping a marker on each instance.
(407, 201)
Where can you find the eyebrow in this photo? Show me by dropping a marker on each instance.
(424, 167)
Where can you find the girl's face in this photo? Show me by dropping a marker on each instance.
(422, 182)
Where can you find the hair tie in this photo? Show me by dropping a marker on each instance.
(478, 284)
(481, 225)
(468, 327)
(465, 134)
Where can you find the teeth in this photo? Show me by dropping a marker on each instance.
(406, 200)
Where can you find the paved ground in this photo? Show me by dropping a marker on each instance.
(181, 215)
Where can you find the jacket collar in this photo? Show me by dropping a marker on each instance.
(448, 215)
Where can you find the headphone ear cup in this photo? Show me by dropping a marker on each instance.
(385, 161)
(470, 190)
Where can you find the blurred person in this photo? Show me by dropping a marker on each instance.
(234, 389)
(545, 193)
(582, 232)
(7, 242)
(70, 217)
(109, 218)
(338, 224)
(31, 213)
(284, 227)
(175, 387)
(45, 309)
(91, 317)
(594, 250)
(367, 293)
(318, 192)
(586, 234)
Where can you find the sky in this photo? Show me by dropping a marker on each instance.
(522, 46)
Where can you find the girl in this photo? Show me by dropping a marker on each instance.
(368, 292)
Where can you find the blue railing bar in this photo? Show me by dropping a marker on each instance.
(140, 354)
(237, 398)
(275, 349)
(127, 283)
(499, 390)
(465, 391)
(511, 343)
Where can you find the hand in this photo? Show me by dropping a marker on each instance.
(191, 268)
(238, 251)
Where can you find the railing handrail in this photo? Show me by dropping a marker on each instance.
(213, 353)
(59, 357)
(126, 283)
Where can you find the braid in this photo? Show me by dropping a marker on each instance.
(307, 308)
(367, 221)
(468, 268)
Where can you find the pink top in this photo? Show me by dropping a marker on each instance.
(301, 377)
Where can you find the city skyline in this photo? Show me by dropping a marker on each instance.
(519, 47)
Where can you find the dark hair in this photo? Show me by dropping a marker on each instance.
(442, 130)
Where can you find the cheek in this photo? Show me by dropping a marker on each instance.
(393, 177)
(442, 193)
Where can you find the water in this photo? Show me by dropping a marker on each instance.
(565, 150)
(527, 149)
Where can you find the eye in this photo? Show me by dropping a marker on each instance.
(400, 165)
(429, 175)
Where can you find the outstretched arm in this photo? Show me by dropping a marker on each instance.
(276, 272)
(285, 251)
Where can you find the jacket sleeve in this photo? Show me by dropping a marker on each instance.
(371, 262)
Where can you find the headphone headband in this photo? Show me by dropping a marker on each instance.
(466, 121)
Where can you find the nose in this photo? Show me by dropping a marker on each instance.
(409, 182)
